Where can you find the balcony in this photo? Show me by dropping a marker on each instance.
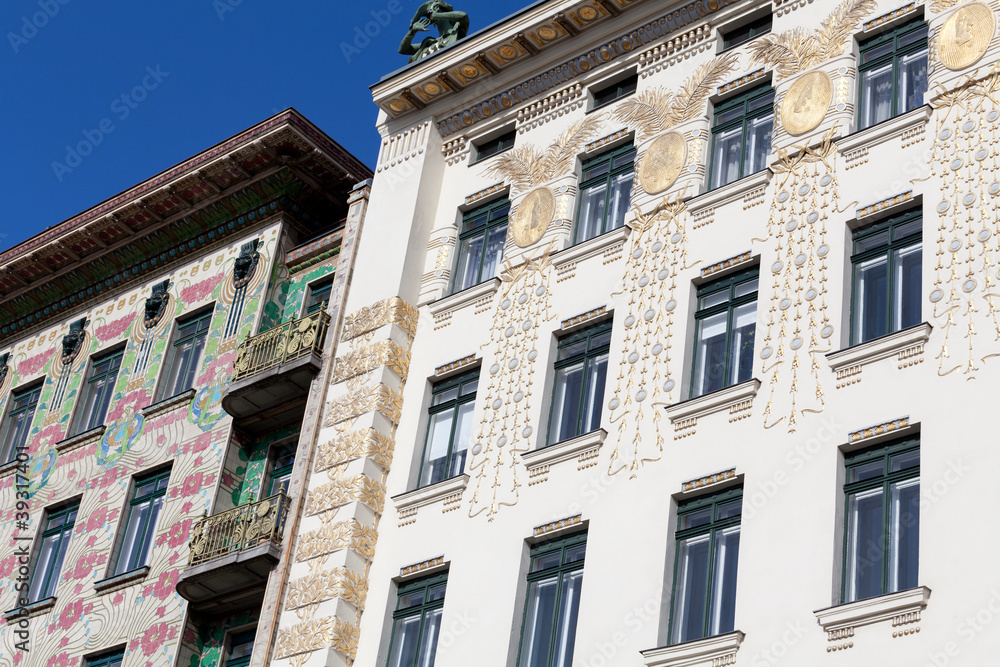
(232, 554)
(272, 373)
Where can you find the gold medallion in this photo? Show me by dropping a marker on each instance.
(533, 217)
(663, 163)
(806, 103)
(966, 35)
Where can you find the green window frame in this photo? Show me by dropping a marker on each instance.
(892, 73)
(705, 568)
(144, 512)
(615, 91)
(239, 648)
(605, 192)
(98, 391)
(746, 32)
(17, 424)
(319, 295)
(186, 354)
(282, 463)
(741, 136)
(52, 548)
(110, 659)
(581, 370)
(886, 269)
(492, 147)
(416, 622)
(882, 520)
(725, 330)
(552, 603)
(449, 428)
(480, 244)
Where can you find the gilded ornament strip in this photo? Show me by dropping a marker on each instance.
(878, 429)
(389, 311)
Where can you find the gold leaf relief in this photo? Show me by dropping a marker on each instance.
(315, 635)
(387, 311)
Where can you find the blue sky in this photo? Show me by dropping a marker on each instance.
(207, 68)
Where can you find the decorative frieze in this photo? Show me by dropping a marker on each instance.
(739, 82)
(403, 146)
(557, 104)
(456, 150)
(782, 7)
(878, 429)
(480, 195)
(583, 318)
(604, 141)
(422, 566)
(709, 480)
(888, 17)
(561, 524)
(734, 261)
(457, 365)
(885, 204)
(669, 52)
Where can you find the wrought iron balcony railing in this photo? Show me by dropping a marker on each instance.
(285, 342)
(238, 529)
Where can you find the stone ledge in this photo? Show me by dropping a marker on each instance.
(565, 450)
(465, 298)
(590, 248)
(81, 439)
(873, 610)
(168, 404)
(12, 467)
(30, 611)
(430, 494)
(877, 134)
(730, 192)
(698, 652)
(117, 582)
(695, 408)
(879, 348)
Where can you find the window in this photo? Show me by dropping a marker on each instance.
(143, 514)
(553, 602)
(113, 659)
(417, 622)
(746, 32)
(708, 550)
(494, 146)
(240, 648)
(892, 74)
(187, 351)
(725, 323)
(741, 136)
(98, 390)
(606, 191)
(883, 520)
(52, 553)
(615, 91)
(282, 462)
(887, 260)
(578, 393)
(319, 295)
(481, 244)
(18, 422)
(452, 402)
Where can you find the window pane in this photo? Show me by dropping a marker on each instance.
(727, 551)
(710, 370)
(877, 52)
(467, 273)
(904, 461)
(876, 95)
(538, 623)
(866, 471)
(591, 212)
(147, 541)
(16, 434)
(428, 643)
(872, 241)
(871, 302)
(445, 396)
(436, 455)
(621, 194)
(715, 299)
(907, 262)
(572, 349)
(462, 432)
(912, 81)
(494, 253)
(546, 561)
(726, 157)
(566, 403)
(48, 553)
(575, 554)
(133, 536)
(569, 607)
(730, 509)
(701, 517)
(865, 545)
(904, 529)
(741, 351)
(758, 144)
(597, 369)
(692, 585)
(749, 287)
(406, 633)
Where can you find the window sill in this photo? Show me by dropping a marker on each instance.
(717, 650)
(460, 300)
(871, 351)
(876, 134)
(81, 439)
(12, 467)
(902, 608)
(168, 404)
(30, 611)
(585, 448)
(427, 495)
(566, 259)
(119, 581)
(729, 192)
(702, 406)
